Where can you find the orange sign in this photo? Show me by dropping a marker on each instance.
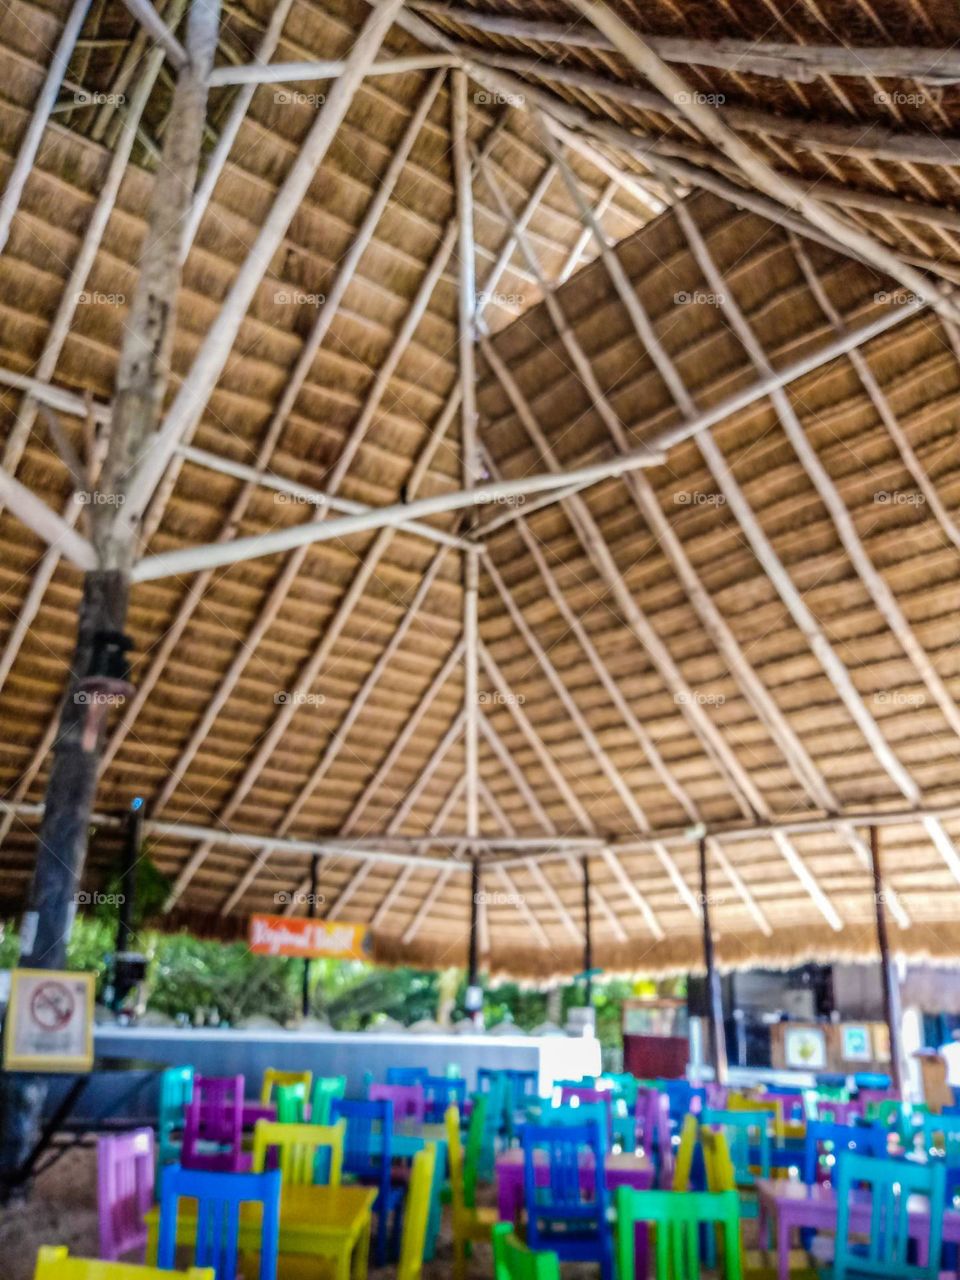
(286, 936)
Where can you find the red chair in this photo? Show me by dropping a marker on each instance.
(125, 1168)
(213, 1126)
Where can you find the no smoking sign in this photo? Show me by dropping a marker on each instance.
(49, 1021)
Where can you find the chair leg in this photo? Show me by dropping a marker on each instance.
(459, 1258)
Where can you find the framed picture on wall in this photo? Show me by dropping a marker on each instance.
(855, 1042)
(805, 1048)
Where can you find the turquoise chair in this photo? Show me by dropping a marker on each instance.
(886, 1249)
(176, 1091)
(748, 1141)
(495, 1088)
(943, 1134)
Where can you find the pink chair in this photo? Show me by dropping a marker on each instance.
(125, 1168)
(716, 1096)
(213, 1126)
(409, 1102)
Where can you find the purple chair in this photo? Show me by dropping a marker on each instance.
(125, 1165)
(213, 1126)
(653, 1130)
(409, 1102)
(582, 1093)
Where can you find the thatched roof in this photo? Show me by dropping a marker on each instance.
(756, 634)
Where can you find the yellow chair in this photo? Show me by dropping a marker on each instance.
(470, 1222)
(272, 1076)
(684, 1159)
(55, 1263)
(298, 1145)
(416, 1214)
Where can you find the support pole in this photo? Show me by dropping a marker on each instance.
(312, 915)
(474, 1001)
(891, 987)
(717, 1039)
(132, 843)
(97, 674)
(587, 932)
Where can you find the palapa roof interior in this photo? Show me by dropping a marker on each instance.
(760, 628)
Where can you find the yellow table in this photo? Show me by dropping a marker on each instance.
(324, 1222)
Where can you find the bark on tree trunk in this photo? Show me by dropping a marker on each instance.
(142, 377)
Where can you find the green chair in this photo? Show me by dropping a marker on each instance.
(512, 1260)
(176, 1090)
(943, 1134)
(290, 1100)
(886, 1249)
(678, 1217)
(325, 1089)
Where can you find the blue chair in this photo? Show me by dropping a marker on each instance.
(886, 1250)
(559, 1217)
(440, 1092)
(368, 1158)
(681, 1095)
(219, 1197)
(840, 1138)
(407, 1075)
(523, 1088)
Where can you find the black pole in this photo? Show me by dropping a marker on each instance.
(311, 913)
(132, 841)
(587, 932)
(716, 1039)
(891, 988)
(472, 953)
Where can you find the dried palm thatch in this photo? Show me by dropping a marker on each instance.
(754, 637)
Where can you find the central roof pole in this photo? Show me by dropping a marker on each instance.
(891, 987)
(716, 1039)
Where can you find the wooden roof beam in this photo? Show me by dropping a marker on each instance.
(784, 190)
(191, 399)
(802, 63)
(42, 108)
(154, 25)
(289, 72)
(506, 826)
